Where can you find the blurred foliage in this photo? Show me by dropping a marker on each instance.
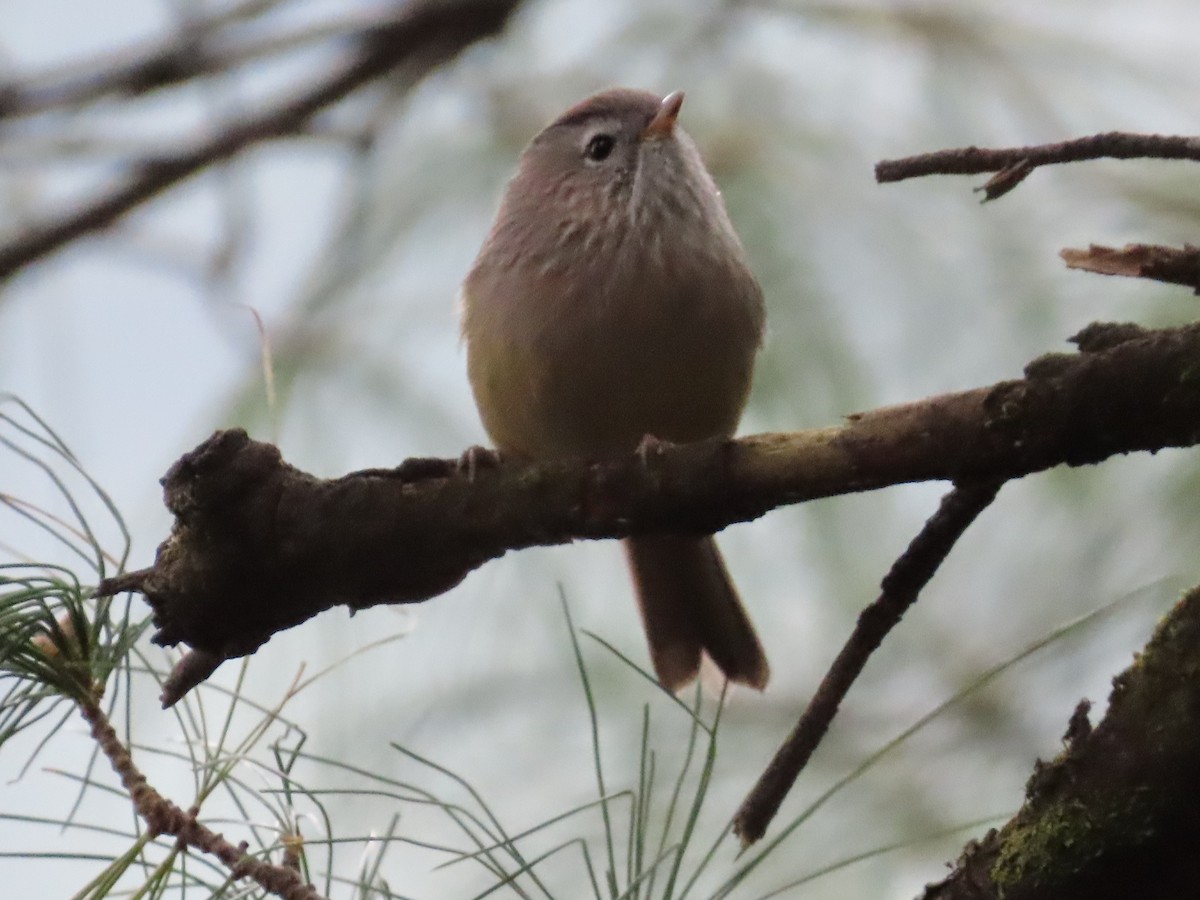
(350, 243)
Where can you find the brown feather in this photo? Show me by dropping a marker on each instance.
(611, 301)
(689, 606)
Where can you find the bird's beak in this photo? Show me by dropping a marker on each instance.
(663, 123)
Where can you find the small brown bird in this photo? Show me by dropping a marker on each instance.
(612, 301)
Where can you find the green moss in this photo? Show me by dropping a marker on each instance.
(1123, 787)
(1066, 839)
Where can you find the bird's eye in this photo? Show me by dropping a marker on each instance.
(599, 146)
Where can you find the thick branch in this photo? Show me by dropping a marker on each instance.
(1115, 815)
(259, 546)
(421, 36)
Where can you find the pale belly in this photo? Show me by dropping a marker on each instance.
(595, 386)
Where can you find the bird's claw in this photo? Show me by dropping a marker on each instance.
(476, 458)
(650, 448)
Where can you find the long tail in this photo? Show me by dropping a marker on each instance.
(689, 606)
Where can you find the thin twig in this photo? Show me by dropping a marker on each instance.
(1013, 163)
(1172, 265)
(190, 52)
(899, 590)
(164, 817)
(421, 36)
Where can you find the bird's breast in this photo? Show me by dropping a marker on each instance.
(563, 365)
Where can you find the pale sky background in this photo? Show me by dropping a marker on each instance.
(876, 294)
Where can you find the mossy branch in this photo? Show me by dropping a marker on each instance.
(259, 546)
(1115, 815)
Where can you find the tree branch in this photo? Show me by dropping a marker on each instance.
(164, 817)
(201, 46)
(1013, 164)
(421, 36)
(899, 590)
(259, 546)
(1172, 265)
(1115, 815)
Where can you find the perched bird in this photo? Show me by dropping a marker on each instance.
(611, 301)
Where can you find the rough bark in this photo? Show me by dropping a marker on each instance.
(259, 546)
(1116, 814)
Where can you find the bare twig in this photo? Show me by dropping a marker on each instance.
(199, 48)
(421, 36)
(164, 817)
(899, 590)
(1014, 163)
(1172, 265)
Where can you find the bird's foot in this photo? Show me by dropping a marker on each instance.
(650, 449)
(476, 458)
